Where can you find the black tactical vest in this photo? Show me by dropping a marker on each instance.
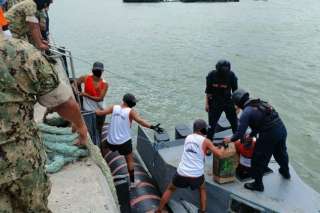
(270, 116)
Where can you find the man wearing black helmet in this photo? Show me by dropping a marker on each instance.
(119, 133)
(265, 122)
(220, 85)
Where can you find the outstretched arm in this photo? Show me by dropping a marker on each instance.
(105, 111)
(136, 117)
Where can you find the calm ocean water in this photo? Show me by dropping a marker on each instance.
(162, 52)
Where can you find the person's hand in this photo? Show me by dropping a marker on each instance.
(227, 140)
(238, 110)
(99, 112)
(45, 42)
(74, 86)
(83, 94)
(157, 128)
(43, 46)
(207, 107)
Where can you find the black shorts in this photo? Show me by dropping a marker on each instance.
(123, 149)
(185, 182)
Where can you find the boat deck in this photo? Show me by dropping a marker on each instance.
(280, 195)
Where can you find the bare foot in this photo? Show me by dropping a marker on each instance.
(81, 142)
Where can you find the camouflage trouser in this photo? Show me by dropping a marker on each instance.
(26, 194)
(24, 185)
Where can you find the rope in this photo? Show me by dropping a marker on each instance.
(114, 73)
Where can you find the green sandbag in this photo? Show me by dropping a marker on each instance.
(59, 146)
(69, 139)
(54, 130)
(66, 150)
(58, 162)
(56, 121)
(56, 165)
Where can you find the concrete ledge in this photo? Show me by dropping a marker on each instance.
(82, 188)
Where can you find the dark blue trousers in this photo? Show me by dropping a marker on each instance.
(270, 142)
(215, 111)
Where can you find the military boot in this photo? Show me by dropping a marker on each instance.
(254, 186)
(285, 174)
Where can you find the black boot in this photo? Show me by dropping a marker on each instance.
(285, 174)
(254, 186)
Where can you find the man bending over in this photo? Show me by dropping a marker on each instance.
(190, 172)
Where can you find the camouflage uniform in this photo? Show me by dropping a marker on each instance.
(19, 15)
(41, 15)
(25, 78)
(10, 3)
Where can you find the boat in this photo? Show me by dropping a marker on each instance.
(162, 156)
(94, 188)
(190, 1)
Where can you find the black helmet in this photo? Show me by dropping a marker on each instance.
(130, 100)
(200, 125)
(239, 97)
(223, 63)
(41, 4)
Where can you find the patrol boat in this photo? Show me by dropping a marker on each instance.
(162, 156)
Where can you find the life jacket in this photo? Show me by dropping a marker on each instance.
(245, 153)
(270, 115)
(89, 86)
(3, 20)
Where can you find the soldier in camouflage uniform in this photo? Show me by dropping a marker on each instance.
(24, 19)
(10, 3)
(25, 78)
(42, 16)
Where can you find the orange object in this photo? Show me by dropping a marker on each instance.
(91, 89)
(3, 20)
(245, 151)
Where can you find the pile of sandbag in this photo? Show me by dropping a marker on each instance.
(60, 148)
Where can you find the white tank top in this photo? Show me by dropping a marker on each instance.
(192, 161)
(120, 127)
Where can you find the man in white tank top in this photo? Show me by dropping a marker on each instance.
(190, 172)
(119, 134)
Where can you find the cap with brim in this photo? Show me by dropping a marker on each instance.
(98, 66)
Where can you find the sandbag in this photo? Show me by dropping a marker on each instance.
(59, 147)
(54, 130)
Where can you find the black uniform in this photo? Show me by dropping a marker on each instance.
(264, 121)
(218, 90)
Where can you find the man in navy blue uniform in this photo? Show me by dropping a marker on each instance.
(265, 122)
(220, 85)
